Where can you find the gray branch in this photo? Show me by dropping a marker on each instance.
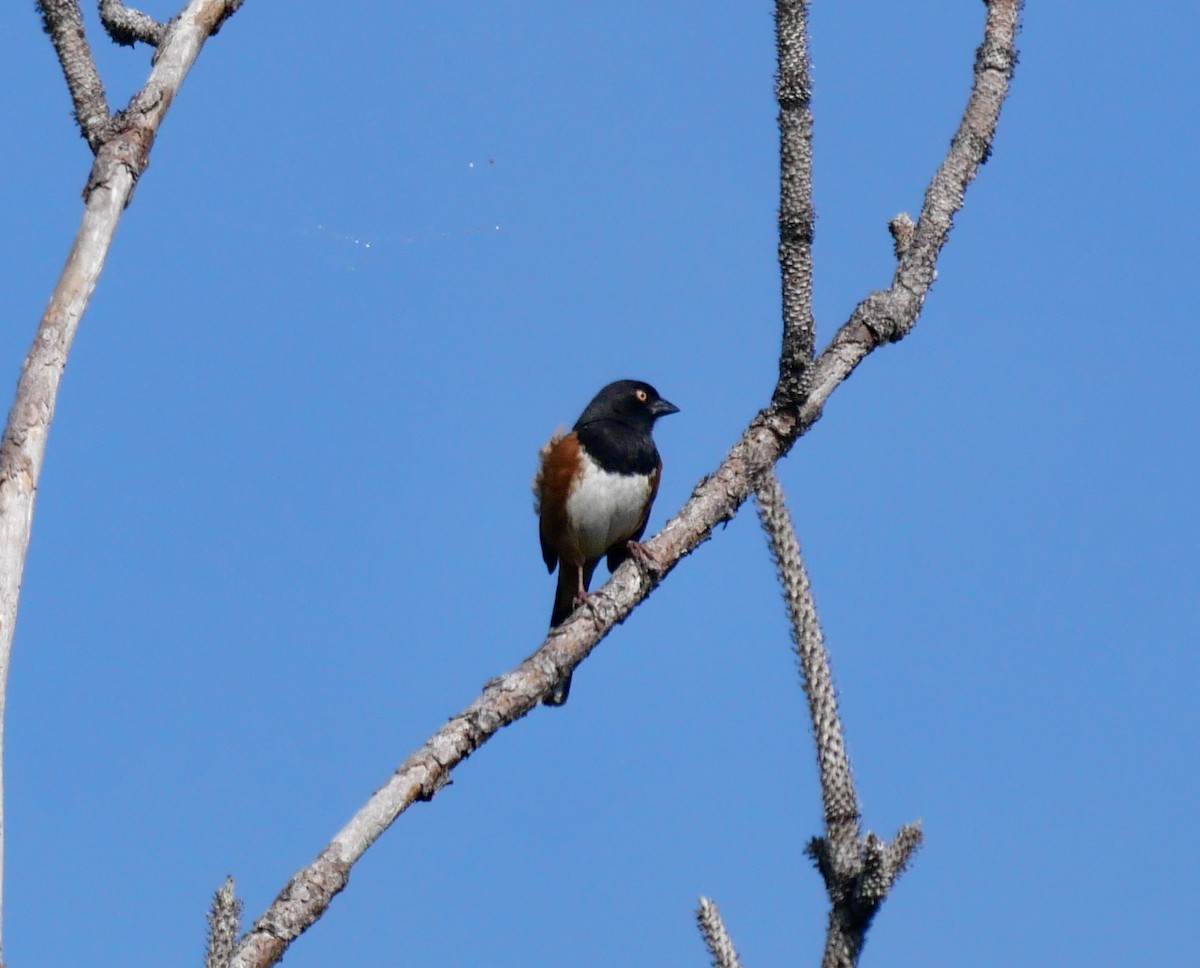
(888, 315)
(224, 923)
(122, 147)
(858, 871)
(796, 218)
(716, 938)
(902, 228)
(840, 802)
(127, 26)
(63, 22)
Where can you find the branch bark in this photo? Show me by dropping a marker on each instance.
(797, 222)
(224, 923)
(858, 871)
(838, 797)
(63, 22)
(716, 938)
(884, 316)
(127, 26)
(122, 147)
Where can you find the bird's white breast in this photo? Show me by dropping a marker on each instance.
(605, 508)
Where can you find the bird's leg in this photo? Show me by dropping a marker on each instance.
(583, 598)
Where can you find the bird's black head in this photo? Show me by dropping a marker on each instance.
(630, 402)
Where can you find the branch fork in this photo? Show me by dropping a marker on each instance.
(858, 870)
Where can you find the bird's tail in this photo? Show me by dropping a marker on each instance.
(564, 605)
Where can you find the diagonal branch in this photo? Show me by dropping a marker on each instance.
(127, 26)
(63, 21)
(717, 939)
(888, 315)
(883, 316)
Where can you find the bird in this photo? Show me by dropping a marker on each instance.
(593, 491)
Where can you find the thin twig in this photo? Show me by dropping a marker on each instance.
(127, 26)
(63, 21)
(712, 929)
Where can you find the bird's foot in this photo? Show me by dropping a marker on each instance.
(644, 556)
(591, 601)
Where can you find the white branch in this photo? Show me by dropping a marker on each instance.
(122, 153)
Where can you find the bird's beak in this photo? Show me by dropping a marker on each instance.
(660, 408)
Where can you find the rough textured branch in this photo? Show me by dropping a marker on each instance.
(858, 871)
(63, 22)
(224, 922)
(888, 315)
(902, 228)
(796, 217)
(712, 928)
(842, 812)
(857, 879)
(127, 26)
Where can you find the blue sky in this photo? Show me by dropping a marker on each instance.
(285, 528)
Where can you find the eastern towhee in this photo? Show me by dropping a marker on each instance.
(593, 492)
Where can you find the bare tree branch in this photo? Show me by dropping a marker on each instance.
(888, 315)
(122, 147)
(224, 922)
(63, 21)
(857, 879)
(127, 26)
(907, 842)
(712, 928)
(841, 808)
(796, 219)
(858, 871)
(883, 316)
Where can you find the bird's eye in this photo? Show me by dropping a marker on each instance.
(641, 395)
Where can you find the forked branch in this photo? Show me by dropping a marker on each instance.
(884, 316)
(63, 22)
(121, 145)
